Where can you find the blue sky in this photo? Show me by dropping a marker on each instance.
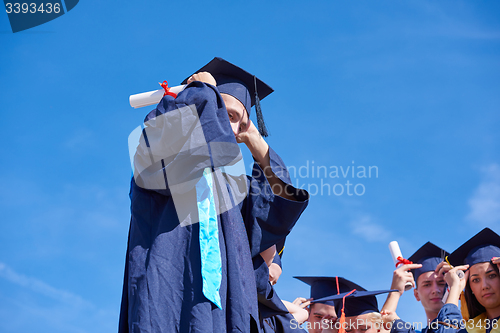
(410, 87)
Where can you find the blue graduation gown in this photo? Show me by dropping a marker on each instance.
(274, 316)
(162, 289)
(282, 324)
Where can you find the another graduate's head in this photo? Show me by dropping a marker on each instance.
(356, 307)
(429, 287)
(240, 91)
(482, 292)
(361, 312)
(322, 315)
(370, 322)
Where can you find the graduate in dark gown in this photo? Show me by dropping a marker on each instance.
(482, 291)
(274, 314)
(195, 226)
(322, 312)
(357, 309)
(430, 287)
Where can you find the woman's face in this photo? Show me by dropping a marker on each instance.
(485, 285)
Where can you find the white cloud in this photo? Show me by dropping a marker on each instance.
(41, 287)
(29, 304)
(485, 201)
(365, 227)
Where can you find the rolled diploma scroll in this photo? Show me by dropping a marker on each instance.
(151, 97)
(395, 253)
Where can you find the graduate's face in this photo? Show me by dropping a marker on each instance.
(485, 284)
(238, 116)
(429, 291)
(361, 324)
(321, 316)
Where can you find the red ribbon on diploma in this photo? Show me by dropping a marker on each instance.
(164, 85)
(403, 261)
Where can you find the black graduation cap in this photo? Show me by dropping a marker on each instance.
(237, 82)
(356, 303)
(322, 286)
(480, 248)
(429, 256)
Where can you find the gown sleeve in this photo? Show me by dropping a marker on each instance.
(274, 315)
(268, 217)
(269, 302)
(447, 321)
(181, 138)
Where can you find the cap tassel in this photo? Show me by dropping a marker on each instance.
(258, 111)
(463, 307)
(342, 317)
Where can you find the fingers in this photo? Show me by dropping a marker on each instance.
(302, 302)
(439, 267)
(299, 300)
(202, 77)
(495, 260)
(461, 268)
(409, 267)
(388, 317)
(306, 303)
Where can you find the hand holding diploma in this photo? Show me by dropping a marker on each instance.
(455, 279)
(456, 283)
(151, 97)
(402, 279)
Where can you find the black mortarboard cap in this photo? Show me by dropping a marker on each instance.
(429, 256)
(237, 82)
(356, 303)
(480, 248)
(322, 286)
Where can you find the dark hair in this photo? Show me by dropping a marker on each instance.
(475, 308)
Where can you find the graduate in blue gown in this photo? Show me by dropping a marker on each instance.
(482, 291)
(274, 314)
(357, 309)
(429, 274)
(195, 226)
(322, 311)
